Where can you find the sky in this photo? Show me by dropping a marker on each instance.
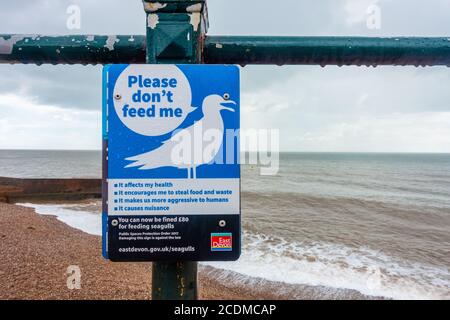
(359, 109)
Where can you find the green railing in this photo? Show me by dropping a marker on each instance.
(176, 33)
(363, 51)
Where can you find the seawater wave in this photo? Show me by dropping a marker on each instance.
(365, 270)
(327, 266)
(333, 225)
(82, 216)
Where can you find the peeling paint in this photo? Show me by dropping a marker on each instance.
(152, 20)
(195, 20)
(110, 42)
(153, 6)
(90, 38)
(6, 46)
(194, 8)
(231, 49)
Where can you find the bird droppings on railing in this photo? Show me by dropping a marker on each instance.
(195, 20)
(110, 42)
(195, 7)
(152, 20)
(153, 6)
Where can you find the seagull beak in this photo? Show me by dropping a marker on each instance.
(226, 105)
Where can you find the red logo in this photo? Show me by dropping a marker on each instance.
(221, 242)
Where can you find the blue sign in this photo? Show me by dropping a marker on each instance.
(171, 173)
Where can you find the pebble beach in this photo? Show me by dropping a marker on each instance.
(36, 251)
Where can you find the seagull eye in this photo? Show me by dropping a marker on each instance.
(226, 96)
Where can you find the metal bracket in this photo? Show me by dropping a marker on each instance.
(175, 30)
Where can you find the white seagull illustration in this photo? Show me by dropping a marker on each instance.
(211, 123)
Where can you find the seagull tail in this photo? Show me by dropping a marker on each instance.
(143, 160)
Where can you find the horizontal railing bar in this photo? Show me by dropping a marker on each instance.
(328, 50)
(77, 49)
(243, 50)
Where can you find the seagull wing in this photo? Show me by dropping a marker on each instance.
(162, 156)
(155, 158)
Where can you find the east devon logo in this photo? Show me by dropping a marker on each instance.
(221, 242)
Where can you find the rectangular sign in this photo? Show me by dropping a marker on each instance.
(171, 173)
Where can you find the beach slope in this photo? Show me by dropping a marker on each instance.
(36, 251)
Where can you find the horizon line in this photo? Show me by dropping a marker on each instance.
(283, 151)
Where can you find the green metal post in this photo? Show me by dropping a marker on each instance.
(175, 34)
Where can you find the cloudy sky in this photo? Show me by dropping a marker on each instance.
(402, 109)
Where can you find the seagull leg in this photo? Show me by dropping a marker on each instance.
(189, 173)
(194, 172)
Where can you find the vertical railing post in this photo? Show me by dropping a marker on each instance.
(175, 34)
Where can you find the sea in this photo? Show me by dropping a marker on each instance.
(373, 223)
